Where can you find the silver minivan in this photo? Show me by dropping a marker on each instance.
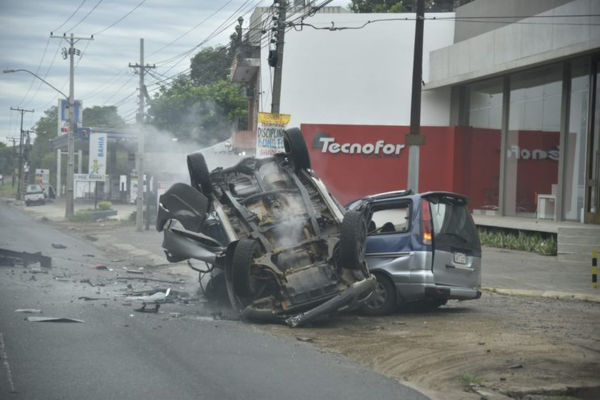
(423, 248)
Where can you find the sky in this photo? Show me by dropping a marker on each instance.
(102, 77)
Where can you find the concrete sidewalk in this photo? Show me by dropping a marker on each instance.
(504, 271)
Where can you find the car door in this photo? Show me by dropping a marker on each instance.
(456, 246)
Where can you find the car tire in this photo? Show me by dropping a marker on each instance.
(199, 174)
(243, 258)
(296, 149)
(27, 204)
(383, 299)
(353, 236)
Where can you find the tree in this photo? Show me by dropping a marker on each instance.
(202, 113)
(210, 65)
(42, 155)
(396, 6)
(102, 117)
(376, 6)
(7, 161)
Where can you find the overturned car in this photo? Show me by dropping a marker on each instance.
(278, 245)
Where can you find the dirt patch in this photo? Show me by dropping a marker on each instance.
(513, 346)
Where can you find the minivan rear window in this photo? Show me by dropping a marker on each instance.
(453, 226)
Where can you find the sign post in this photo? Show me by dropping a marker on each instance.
(269, 138)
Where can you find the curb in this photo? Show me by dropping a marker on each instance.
(551, 294)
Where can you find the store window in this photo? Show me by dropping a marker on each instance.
(481, 145)
(574, 192)
(532, 153)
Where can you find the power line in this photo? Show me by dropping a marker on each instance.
(86, 15)
(186, 33)
(36, 72)
(120, 19)
(68, 19)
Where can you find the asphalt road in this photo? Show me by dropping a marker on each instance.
(117, 353)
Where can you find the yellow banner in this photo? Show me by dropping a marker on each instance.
(274, 119)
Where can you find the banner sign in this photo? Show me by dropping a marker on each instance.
(98, 149)
(63, 115)
(42, 177)
(269, 138)
(89, 178)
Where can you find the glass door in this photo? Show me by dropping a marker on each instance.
(592, 189)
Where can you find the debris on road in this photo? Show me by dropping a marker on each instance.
(38, 271)
(157, 299)
(52, 319)
(28, 311)
(135, 272)
(89, 255)
(100, 267)
(304, 339)
(11, 258)
(85, 298)
(516, 366)
(126, 278)
(58, 246)
(91, 238)
(61, 279)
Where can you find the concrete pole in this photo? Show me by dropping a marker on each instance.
(20, 186)
(140, 154)
(277, 79)
(414, 139)
(79, 161)
(70, 136)
(58, 173)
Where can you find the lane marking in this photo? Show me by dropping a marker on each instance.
(4, 357)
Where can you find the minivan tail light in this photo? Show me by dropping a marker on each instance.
(426, 222)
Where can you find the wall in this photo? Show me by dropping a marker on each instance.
(529, 42)
(356, 76)
(494, 8)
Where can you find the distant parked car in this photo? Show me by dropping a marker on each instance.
(34, 194)
(421, 248)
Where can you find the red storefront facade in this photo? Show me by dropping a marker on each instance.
(357, 160)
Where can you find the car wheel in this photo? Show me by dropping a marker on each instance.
(199, 174)
(27, 204)
(353, 236)
(295, 147)
(243, 258)
(383, 299)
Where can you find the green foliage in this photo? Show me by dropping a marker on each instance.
(470, 379)
(204, 114)
(398, 6)
(42, 155)
(210, 65)
(102, 117)
(376, 6)
(81, 216)
(105, 205)
(7, 161)
(7, 190)
(534, 242)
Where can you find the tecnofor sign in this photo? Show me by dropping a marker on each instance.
(329, 145)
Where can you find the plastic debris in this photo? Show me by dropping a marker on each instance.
(100, 266)
(59, 246)
(28, 311)
(53, 319)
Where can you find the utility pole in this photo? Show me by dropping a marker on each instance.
(72, 119)
(14, 156)
(139, 165)
(278, 62)
(20, 181)
(414, 139)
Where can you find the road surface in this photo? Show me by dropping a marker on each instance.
(179, 353)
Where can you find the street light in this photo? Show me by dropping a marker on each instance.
(71, 140)
(10, 71)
